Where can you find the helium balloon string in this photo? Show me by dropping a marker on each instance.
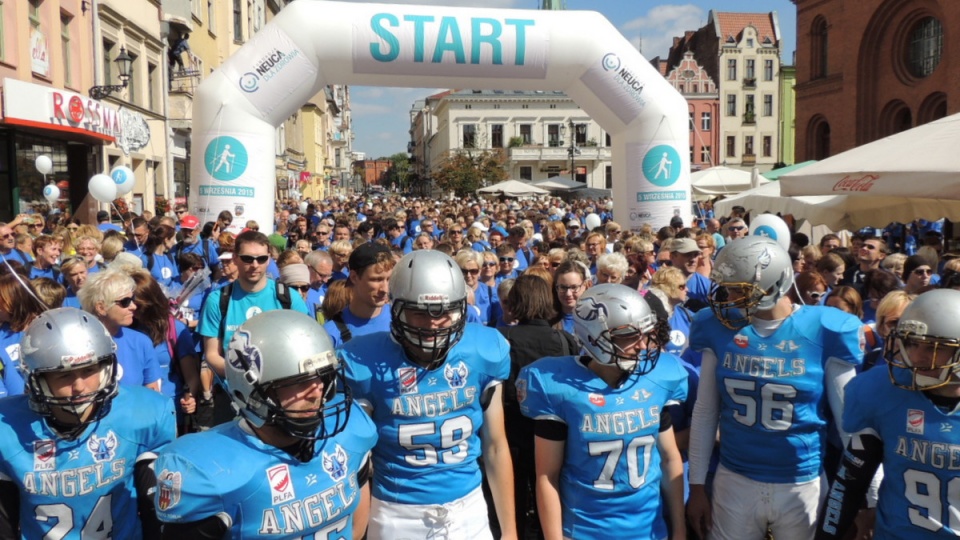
(25, 285)
(135, 241)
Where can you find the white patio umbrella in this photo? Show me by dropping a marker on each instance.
(920, 162)
(513, 188)
(720, 180)
(838, 212)
(559, 183)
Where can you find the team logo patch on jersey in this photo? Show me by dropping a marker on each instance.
(103, 448)
(335, 464)
(408, 380)
(915, 421)
(521, 385)
(281, 485)
(456, 376)
(741, 341)
(598, 400)
(246, 356)
(169, 485)
(44, 455)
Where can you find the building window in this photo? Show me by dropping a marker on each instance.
(767, 146)
(524, 106)
(608, 141)
(750, 72)
(152, 87)
(750, 43)
(107, 62)
(768, 70)
(768, 104)
(819, 48)
(237, 21)
(706, 121)
(553, 135)
(748, 145)
(196, 9)
(925, 47)
(65, 48)
(696, 88)
(526, 173)
(732, 69)
(731, 104)
(608, 176)
(691, 155)
(496, 136)
(731, 146)
(468, 106)
(705, 156)
(33, 13)
(496, 105)
(553, 105)
(580, 137)
(469, 136)
(526, 133)
(211, 16)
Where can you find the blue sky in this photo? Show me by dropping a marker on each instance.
(381, 115)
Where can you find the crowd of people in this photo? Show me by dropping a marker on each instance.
(393, 368)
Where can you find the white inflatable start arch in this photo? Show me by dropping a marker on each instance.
(312, 43)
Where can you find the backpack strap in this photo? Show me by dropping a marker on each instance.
(225, 294)
(283, 295)
(345, 333)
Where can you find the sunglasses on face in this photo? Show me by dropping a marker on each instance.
(178, 212)
(301, 288)
(738, 228)
(73, 228)
(125, 302)
(456, 231)
(506, 259)
(489, 264)
(923, 272)
(568, 288)
(471, 272)
(816, 295)
(870, 247)
(249, 259)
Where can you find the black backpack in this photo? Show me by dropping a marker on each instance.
(345, 333)
(204, 243)
(168, 255)
(283, 295)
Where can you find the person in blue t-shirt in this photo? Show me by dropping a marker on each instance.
(320, 264)
(18, 308)
(206, 248)
(904, 417)
(685, 255)
(297, 461)
(569, 282)
(432, 386)
(771, 372)
(368, 312)
(599, 479)
(139, 232)
(109, 296)
(158, 258)
(47, 250)
(250, 294)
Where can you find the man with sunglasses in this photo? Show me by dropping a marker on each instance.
(8, 245)
(252, 293)
(871, 253)
(192, 243)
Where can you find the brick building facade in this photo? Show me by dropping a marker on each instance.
(869, 69)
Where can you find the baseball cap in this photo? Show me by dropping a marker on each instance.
(480, 226)
(573, 224)
(684, 245)
(189, 222)
(366, 255)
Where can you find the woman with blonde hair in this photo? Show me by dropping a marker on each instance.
(708, 248)
(669, 285)
(111, 247)
(110, 297)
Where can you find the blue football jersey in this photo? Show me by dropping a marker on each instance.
(429, 420)
(610, 479)
(82, 488)
(920, 494)
(262, 489)
(772, 400)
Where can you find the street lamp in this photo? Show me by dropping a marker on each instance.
(124, 68)
(573, 150)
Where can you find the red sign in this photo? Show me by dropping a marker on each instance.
(334, 181)
(862, 184)
(304, 176)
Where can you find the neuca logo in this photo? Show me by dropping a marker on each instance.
(267, 67)
(611, 62)
(625, 78)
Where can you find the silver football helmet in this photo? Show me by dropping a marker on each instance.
(428, 282)
(609, 312)
(926, 342)
(281, 348)
(67, 339)
(749, 274)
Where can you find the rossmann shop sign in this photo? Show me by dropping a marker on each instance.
(44, 107)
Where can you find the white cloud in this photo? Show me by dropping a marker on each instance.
(661, 24)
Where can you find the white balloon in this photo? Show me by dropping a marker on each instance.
(124, 179)
(593, 221)
(772, 227)
(102, 188)
(51, 193)
(44, 164)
